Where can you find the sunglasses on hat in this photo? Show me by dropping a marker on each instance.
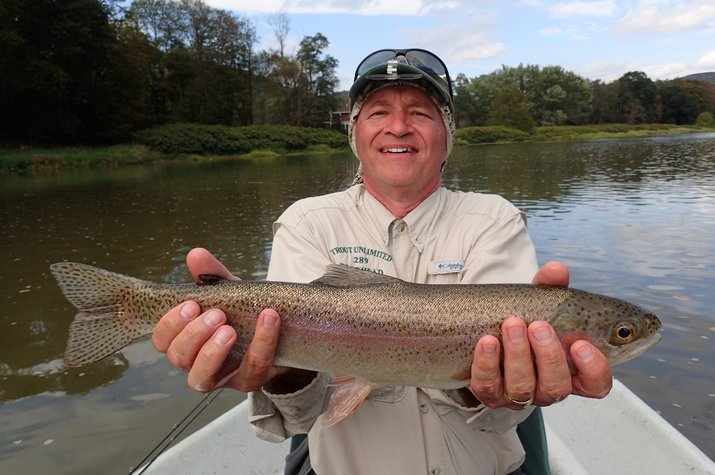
(419, 59)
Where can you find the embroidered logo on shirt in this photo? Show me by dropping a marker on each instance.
(447, 267)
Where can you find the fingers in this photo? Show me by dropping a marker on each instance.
(518, 380)
(554, 382)
(185, 347)
(175, 334)
(204, 344)
(486, 382)
(552, 273)
(173, 323)
(519, 373)
(535, 368)
(257, 365)
(205, 368)
(594, 377)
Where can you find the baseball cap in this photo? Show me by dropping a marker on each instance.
(403, 65)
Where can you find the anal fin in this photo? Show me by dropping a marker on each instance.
(346, 398)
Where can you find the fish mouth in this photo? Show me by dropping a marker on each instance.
(629, 353)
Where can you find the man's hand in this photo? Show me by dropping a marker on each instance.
(541, 379)
(200, 342)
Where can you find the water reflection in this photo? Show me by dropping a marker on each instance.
(634, 219)
(53, 378)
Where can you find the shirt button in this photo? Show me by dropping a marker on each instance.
(435, 471)
(424, 408)
(400, 227)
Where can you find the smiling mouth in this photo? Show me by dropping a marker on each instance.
(398, 150)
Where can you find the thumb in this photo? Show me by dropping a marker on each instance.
(200, 261)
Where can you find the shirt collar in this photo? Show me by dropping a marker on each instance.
(418, 221)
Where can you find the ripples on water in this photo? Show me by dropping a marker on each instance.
(633, 219)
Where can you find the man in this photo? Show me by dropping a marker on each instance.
(399, 221)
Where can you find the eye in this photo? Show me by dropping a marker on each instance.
(421, 112)
(623, 332)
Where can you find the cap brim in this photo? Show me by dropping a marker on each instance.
(405, 72)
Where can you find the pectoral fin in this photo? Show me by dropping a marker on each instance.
(349, 393)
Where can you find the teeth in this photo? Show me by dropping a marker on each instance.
(397, 150)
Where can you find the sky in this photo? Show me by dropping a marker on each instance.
(596, 39)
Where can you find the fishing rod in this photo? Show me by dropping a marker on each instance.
(175, 432)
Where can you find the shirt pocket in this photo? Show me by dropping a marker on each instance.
(388, 394)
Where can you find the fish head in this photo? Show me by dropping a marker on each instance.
(631, 337)
(620, 329)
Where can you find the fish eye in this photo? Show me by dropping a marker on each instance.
(623, 333)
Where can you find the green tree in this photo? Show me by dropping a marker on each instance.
(604, 104)
(204, 72)
(163, 21)
(559, 97)
(509, 108)
(318, 81)
(299, 89)
(552, 95)
(636, 98)
(474, 97)
(60, 61)
(705, 119)
(681, 101)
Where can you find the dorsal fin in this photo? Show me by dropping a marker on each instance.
(337, 275)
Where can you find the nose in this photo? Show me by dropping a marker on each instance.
(399, 124)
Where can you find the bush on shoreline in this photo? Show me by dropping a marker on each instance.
(24, 159)
(180, 139)
(174, 141)
(561, 133)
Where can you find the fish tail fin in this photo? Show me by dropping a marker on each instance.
(104, 322)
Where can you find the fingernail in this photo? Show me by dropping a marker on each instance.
(269, 320)
(516, 333)
(584, 352)
(222, 336)
(489, 349)
(542, 334)
(189, 311)
(202, 387)
(212, 318)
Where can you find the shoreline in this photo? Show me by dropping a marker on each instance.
(21, 160)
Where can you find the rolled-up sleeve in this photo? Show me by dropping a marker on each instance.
(275, 417)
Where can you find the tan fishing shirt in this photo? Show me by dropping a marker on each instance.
(451, 237)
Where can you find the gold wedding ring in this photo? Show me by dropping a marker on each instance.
(521, 403)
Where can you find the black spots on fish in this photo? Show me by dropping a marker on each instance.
(576, 308)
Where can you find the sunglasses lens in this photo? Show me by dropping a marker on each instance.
(375, 59)
(426, 62)
(420, 59)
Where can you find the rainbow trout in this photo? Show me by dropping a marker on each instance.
(377, 329)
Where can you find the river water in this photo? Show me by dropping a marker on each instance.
(632, 218)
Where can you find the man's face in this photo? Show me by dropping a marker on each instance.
(401, 140)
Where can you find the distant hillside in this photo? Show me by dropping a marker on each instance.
(701, 77)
